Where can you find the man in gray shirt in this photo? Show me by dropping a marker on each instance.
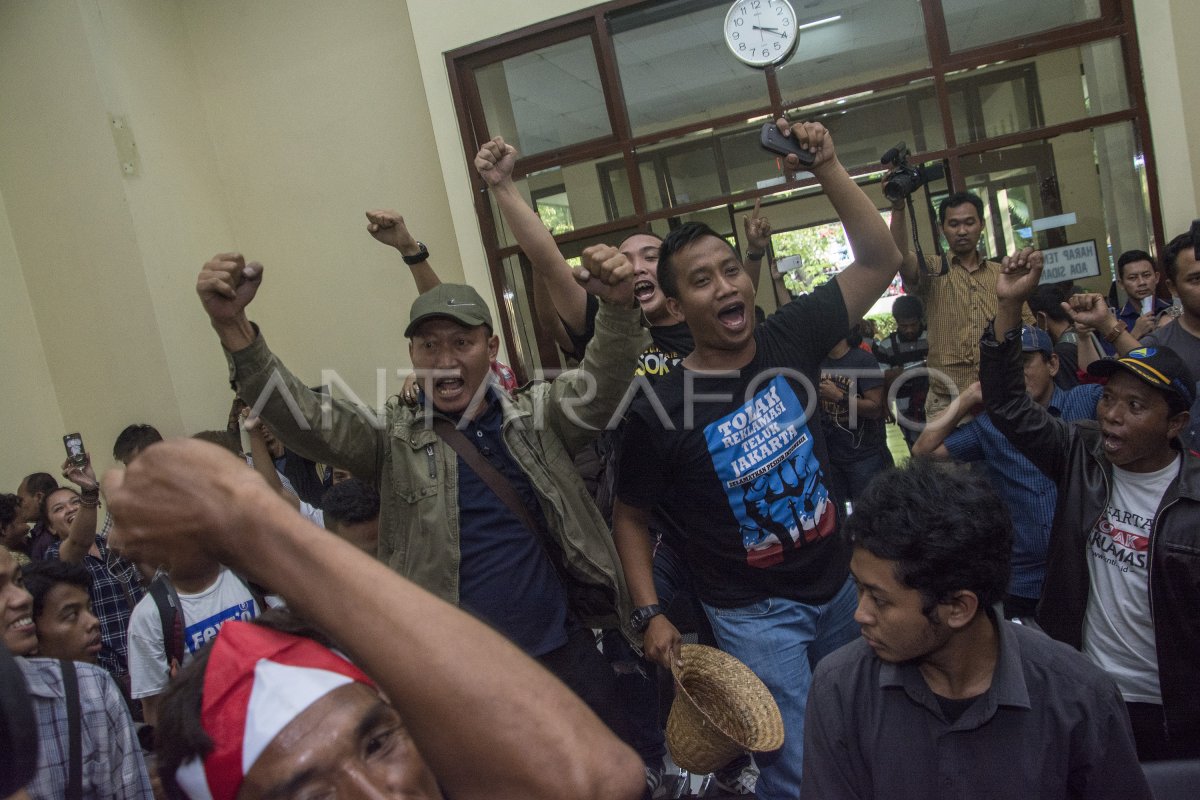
(940, 699)
(1182, 266)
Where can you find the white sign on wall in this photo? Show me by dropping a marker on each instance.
(1070, 262)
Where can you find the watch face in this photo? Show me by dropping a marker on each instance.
(761, 32)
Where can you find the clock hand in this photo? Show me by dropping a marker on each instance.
(775, 31)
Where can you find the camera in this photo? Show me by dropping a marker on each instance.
(906, 178)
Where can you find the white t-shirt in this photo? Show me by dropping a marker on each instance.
(203, 615)
(1118, 632)
(311, 512)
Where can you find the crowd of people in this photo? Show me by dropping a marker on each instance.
(469, 592)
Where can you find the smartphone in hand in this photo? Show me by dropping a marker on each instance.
(76, 454)
(775, 142)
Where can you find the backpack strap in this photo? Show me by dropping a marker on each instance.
(74, 790)
(256, 592)
(491, 476)
(170, 615)
(503, 489)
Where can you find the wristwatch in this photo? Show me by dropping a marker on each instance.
(418, 257)
(642, 615)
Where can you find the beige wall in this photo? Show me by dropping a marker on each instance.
(266, 127)
(1166, 34)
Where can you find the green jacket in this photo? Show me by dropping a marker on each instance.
(545, 424)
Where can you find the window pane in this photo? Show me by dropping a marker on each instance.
(997, 99)
(517, 295)
(854, 43)
(1069, 189)
(675, 68)
(706, 164)
(865, 125)
(545, 99)
(574, 196)
(971, 23)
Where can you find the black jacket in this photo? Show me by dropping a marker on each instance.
(1073, 457)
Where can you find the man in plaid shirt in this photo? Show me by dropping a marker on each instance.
(111, 764)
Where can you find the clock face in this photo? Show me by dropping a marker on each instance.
(761, 32)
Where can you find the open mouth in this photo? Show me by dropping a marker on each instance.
(22, 625)
(643, 290)
(71, 517)
(733, 316)
(448, 387)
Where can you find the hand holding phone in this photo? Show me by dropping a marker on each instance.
(773, 141)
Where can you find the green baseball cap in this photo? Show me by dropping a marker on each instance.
(454, 300)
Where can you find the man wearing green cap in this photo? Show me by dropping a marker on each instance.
(1123, 568)
(480, 501)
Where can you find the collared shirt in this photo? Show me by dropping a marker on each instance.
(1030, 496)
(958, 305)
(112, 759)
(1130, 313)
(115, 591)
(1051, 724)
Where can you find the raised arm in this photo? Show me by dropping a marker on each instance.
(82, 535)
(334, 432)
(1092, 311)
(568, 301)
(876, 258)
(467, 695)
(1042, 438)
(264, 464)
(910, 270)
(388, 227)
(758, 241)
(584, 399)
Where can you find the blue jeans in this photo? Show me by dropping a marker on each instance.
(849, 478)
(781, 641)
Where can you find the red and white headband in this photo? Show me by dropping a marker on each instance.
(257, 681)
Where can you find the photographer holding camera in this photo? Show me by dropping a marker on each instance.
(958, 288)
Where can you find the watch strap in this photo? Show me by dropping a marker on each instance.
(417, 258)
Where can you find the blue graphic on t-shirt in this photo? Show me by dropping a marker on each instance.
(200, 633)
(763, 455)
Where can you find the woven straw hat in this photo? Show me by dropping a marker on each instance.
(721, 709)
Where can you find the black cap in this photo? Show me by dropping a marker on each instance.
(1158, 366)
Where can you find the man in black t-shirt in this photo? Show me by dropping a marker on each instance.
(905, 351)
(724, 445)
(852, 412)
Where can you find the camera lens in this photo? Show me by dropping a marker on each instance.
(900, 185)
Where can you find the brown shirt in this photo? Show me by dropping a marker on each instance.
(958, 305)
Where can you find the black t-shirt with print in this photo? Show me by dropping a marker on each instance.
(669, 344)
(743, 480)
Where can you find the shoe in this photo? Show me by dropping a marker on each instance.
(741, 782)
(657, 787)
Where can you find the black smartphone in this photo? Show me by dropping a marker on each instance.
(775, 142)
(75, 452)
